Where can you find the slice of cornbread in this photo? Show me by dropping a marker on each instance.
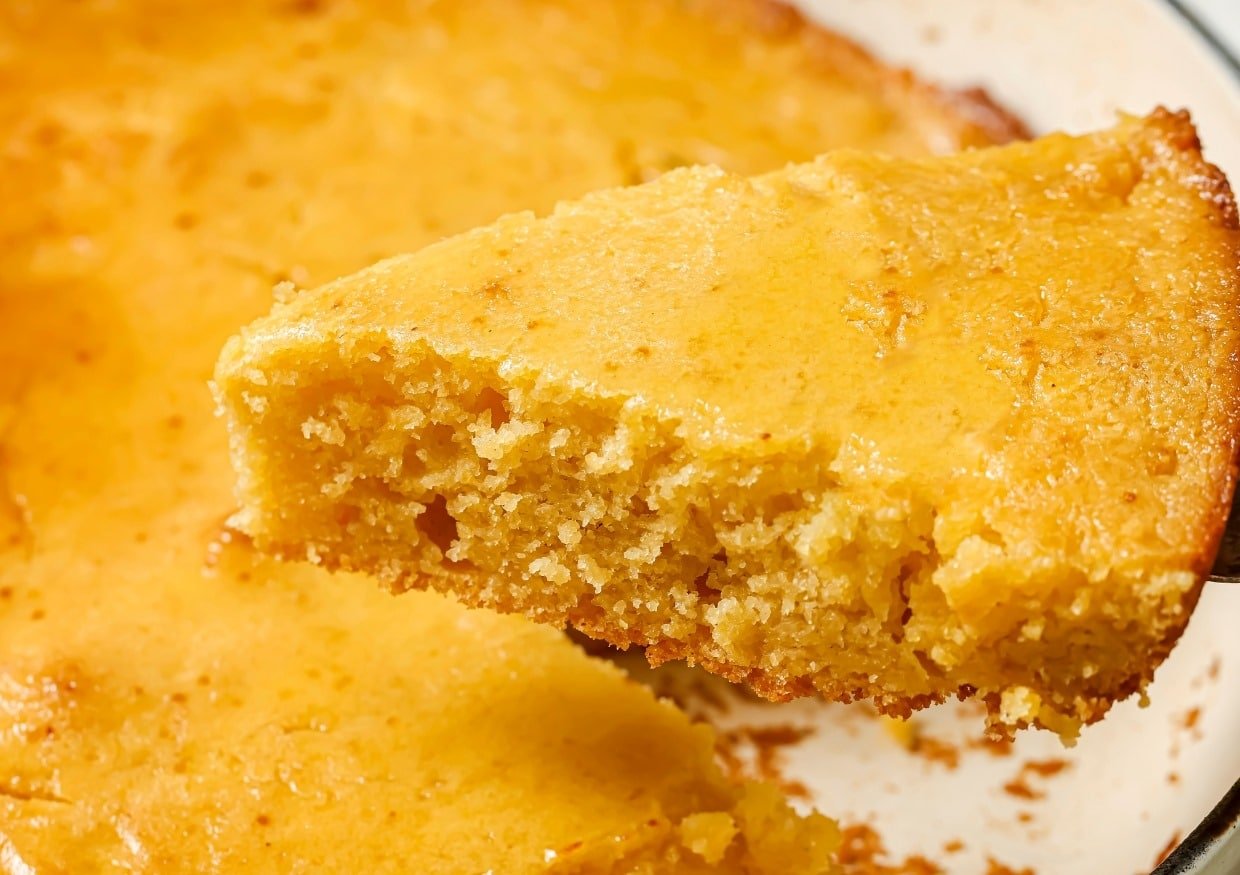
(875, 428)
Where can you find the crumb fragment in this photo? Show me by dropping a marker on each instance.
(756, 753)
(936, 750)
(708, 834)
(995, 746)
(1020, 787)
(862, 852)
(1171, 845)
(1048, 767)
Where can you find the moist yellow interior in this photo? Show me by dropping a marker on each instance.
(868, 427)
(167, 699)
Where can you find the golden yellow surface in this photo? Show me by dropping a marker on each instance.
(899, 429)
(170, 702)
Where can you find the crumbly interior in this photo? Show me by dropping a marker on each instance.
(565, 418)
(797, 575)
(592, 510)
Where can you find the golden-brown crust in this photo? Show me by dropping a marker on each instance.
(976, 105)
(1207, 178)
(1212, 534)
(1215, 189)
(972, 114)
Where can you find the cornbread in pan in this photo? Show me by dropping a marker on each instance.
(171, 701)
(873, 428)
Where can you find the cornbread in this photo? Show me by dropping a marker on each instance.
(867, 427)
(169, 700)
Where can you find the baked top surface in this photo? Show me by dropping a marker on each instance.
(972, 416)
(165, 164)
(1077, 290)
(756, 310)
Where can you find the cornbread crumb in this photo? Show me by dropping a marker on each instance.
(903, 730)
(1171, 845)
(1020, 787)
(994, 867)
(864, 427)
(935, 750)
(755, 753)
(761, 835)
(708, 834)
(1047, 768)
(863, 853)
